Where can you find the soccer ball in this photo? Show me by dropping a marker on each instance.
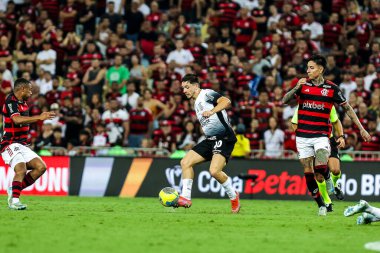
(168, 196)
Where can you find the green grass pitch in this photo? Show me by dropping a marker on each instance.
(73, 224)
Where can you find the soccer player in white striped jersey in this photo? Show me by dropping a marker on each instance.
(217, 147)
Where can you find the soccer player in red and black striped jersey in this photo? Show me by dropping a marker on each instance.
(14, 150)
(316, 96)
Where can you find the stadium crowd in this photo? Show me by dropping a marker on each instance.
(112, 69)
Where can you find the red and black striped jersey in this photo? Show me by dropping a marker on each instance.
(315, 103)
(373, 145)
(14, 133)
(228, 12)
(254, 139)
(331, 33)
(247, 27)
(139, 121)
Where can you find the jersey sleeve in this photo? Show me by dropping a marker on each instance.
(338, 96)
(12, 108)
(295, 116)
(212, 96)
(333, 115)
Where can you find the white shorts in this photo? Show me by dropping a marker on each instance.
(306, 147)
(17, 153)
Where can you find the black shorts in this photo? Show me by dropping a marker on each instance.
(210, 146)
(334, 148)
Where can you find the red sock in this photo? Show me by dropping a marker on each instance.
(28, 180)
(16, 189)
(322, 169)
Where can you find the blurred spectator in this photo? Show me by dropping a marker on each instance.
(100, 137)
(134, 18)
(332, 71)
(5, 52)
(137, 72)
(347, 85)
(58, 140)
(119, 74)
(164, 137)
(68, 16)
(129, 99)
(117, 123)
(46, 58)
(46, 83)
(273, 140)
(72, 116)
(140, 124)
(179, 58)
(360, 91)
(112, 15)
(189, 138)
(320, 15)
(374, 144)
(46, 137)
(289, 137)
(245, 29)
(6, 73)
(87, 16)
(156, 107)
(315, 28)
(263, 110)
(5, 89)
(254, 136)
(370, 76)
(147, 39)
(84, 138)
(242, 148)
(93, 80)
(374, 107)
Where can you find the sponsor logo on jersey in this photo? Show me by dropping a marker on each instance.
(313, 106)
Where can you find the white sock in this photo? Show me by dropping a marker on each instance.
(374, 211)
(15, 200)
(228, 188)
(186, 188)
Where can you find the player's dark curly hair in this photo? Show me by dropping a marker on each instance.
(319, 60)
(20, 82)
(191, 78)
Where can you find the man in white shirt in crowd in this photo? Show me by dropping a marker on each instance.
(129, 99)
(116, 121)
(46, 58)
(179, 58)
(315, 28)
(274, 140)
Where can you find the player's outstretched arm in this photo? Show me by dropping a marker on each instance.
(351, 113)
(18, 119)
(222, 103)
(338, 132)
(288, 96)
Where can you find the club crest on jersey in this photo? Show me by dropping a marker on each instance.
(324, 92)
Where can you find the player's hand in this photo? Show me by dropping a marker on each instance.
(365, 135)
(341, 142)
(207, 114)
(47, 115)
(300, 82)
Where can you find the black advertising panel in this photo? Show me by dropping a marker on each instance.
(275, 179)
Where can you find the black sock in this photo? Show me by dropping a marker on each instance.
(313, 188)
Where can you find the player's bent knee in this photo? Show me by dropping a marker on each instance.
(41, 169)
(322, 156)
(319, 177)
(186, 163)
